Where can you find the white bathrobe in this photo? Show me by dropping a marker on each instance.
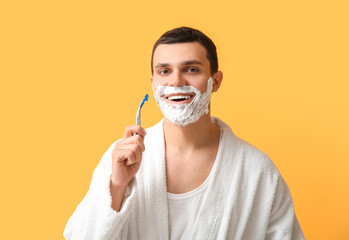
(247, 199)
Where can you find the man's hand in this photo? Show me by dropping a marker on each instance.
(126, 160)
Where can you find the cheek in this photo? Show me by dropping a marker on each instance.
(156, 82)
(154, 87)
(202, 87)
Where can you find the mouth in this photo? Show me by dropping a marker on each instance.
(179, 98)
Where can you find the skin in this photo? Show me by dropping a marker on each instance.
(190, 150)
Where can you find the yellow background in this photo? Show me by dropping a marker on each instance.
(73, 73)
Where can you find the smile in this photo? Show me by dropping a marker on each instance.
(179, 98)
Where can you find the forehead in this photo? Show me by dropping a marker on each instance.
(180, 52)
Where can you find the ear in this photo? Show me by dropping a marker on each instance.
(217, 80)
(152, 82)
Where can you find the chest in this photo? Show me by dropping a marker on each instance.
(187, 171)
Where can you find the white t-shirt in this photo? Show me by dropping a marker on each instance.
(183, 210)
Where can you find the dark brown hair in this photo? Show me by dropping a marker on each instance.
(184, 35)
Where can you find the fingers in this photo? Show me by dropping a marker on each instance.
(131, 130)
(130, 148)
(136, 157)
(137, 139)
(130, 152)
(128, 156)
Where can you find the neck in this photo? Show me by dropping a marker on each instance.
(193, 136)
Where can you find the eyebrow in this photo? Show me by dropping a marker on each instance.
(185, 63)
(161, 65)
(192, 62)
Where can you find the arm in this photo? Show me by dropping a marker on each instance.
(117, 193)
(94, 217)
(283, 223)
(104, 211)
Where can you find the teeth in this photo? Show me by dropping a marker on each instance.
(178, 97)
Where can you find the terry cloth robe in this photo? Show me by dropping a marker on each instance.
(247, 198)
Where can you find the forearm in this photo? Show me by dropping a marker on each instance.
(117, 194)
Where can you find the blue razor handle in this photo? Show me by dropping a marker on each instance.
(138, 117)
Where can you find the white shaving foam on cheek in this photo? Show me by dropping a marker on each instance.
(184, 114)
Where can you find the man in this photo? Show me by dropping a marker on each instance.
(189, 176)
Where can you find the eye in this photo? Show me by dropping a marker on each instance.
(163, 71)
(192, 69)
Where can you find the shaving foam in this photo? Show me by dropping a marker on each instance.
(184, 114)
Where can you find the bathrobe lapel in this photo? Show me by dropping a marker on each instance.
(209, 220)
(211, 213)
(155, 185)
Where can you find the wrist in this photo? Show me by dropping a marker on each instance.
(117, 193)
(118, 184)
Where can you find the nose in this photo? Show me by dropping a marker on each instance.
(177, 79)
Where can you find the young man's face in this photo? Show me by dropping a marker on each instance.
(181, 64)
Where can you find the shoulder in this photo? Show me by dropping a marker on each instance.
(257, 169)
(253, 159)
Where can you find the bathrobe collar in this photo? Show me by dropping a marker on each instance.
(211, 213)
